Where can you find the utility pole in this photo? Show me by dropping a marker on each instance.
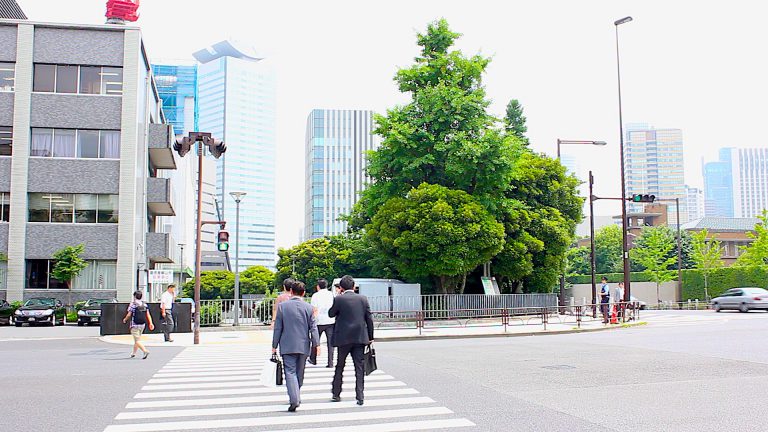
(238, 196)
(592, 257)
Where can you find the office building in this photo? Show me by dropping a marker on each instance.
(733, 234)
(737, 184)
(718, 186)
(695, 202)
(177, 87)
(335, 160)
(236, 91)
(653, 161)
(82, 156)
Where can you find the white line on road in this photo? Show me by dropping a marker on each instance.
(235, 376)
(282, 420)
(138, 415)
(271, 398)
(391, 427)
(249, 390)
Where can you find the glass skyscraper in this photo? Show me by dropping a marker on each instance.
(654, 165)
(336, 146)
(737, 184)
(718, 186)
(236, 94)
(177, 86)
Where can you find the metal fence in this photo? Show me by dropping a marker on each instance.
(395, 308)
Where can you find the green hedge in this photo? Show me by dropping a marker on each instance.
(723, 279)
(720, 280)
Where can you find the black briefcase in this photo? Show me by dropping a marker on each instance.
(369, 359)
(278, 369)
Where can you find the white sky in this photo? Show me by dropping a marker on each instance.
(695, 65)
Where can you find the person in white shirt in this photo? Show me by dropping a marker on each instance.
(166, 310)
(322, 301)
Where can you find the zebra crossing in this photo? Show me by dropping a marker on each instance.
(215, 388)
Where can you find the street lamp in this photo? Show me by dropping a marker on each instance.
(624, 240)
(181, 267)
(238, 196)
(561, 142)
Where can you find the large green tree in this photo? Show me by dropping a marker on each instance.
(756, 253)
(256, 280)
(707, 255)
(514, 121)
(686, 246)
(68, 264)
(578, 261)
(608, 250)
(654, 256)
(214, 284)
(439, 232)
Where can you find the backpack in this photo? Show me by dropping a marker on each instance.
(140, 314)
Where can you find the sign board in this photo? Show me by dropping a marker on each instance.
(160, 276)
(490, 287)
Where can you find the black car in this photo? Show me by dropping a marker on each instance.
(90, 313)
(6, 313)
(46, 310)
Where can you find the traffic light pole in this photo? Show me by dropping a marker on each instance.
(198, 240)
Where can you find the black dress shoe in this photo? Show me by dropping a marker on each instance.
(336, 399)
(360, 402)
(292, 408)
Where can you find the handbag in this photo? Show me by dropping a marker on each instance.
(369, 359)
(278, 369)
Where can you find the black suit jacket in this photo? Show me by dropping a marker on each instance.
(354, 325)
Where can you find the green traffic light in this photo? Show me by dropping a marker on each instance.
(637, 198)
(223, 247)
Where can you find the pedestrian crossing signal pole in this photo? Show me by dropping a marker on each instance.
(217, 148)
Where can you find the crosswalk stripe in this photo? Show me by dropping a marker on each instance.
(138, 415)
(241, 376)
(326, 395)
(282, 420)
(239, 371)
(391, 427)
(249, 390)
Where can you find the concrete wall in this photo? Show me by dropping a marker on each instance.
(644, 291)
(77, 46)
(6, 108)
(63, 295)
(4, 238)
(5, 174)
(74, 175)
(76, 111)
(44, 239)
(8, 43)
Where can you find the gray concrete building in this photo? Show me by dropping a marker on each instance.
(83, 143)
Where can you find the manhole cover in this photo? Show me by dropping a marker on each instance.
(559, 367)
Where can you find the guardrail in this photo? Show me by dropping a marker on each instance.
(687, 305)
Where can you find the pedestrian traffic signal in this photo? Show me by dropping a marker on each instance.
(223, 244)
(643, 198)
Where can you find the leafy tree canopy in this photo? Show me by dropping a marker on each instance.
(256, 280)
(68, 263)
(514, 121)
(654, 256)
(756, 253)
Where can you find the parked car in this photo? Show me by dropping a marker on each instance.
(6, 313)
(90, 313)
(741, 299)
(40, 310)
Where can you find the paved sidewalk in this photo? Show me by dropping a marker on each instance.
(263, 335)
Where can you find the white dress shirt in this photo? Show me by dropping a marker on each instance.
(322, 301)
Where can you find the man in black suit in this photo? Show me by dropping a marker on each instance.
(352, 333)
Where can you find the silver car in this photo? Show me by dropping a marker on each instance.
(741, 299)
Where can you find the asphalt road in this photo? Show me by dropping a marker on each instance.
(687, 371)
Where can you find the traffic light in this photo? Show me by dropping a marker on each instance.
(643, 198)
(182, 145)
(223, 244)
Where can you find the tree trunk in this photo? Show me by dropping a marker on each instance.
(442, 285)
(463, 283)
(658, 295)
(69, 289)
(706, 293)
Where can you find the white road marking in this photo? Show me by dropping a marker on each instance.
(249, 390)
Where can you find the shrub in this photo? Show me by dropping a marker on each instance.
(723, 279)
(210, 314)
(72, 317)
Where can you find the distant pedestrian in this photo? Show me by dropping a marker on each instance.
(618, 294)
(605, 298)
(138, 313)
(166, 311)
(352, 332)
(322, 300)
(284, 295)
(296, 334)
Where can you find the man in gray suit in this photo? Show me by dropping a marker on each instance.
(295, 333)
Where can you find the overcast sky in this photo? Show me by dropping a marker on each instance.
(698, 66)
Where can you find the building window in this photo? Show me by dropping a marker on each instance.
(6, 140)
(39, 275)
(7, 76)
(71, 143)
(5, 207)
(99, 80)
(72, 208)
(98, 275)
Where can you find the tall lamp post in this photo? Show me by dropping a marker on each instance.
(560, 142)
(181, 266)
(624, 240)
(238, 196)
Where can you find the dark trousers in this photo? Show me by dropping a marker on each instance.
(604, 309)
(357, 358)
(294, 376)
(168, 326)
(328, 330)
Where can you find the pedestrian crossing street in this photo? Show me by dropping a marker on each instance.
(217, 388)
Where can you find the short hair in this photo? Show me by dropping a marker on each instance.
(288, 283)
(171, 286)
(298, 288)
(347, 282)
(322, 283)
(604, 279)
(138, 295)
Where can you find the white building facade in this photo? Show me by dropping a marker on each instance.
(749, 167)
